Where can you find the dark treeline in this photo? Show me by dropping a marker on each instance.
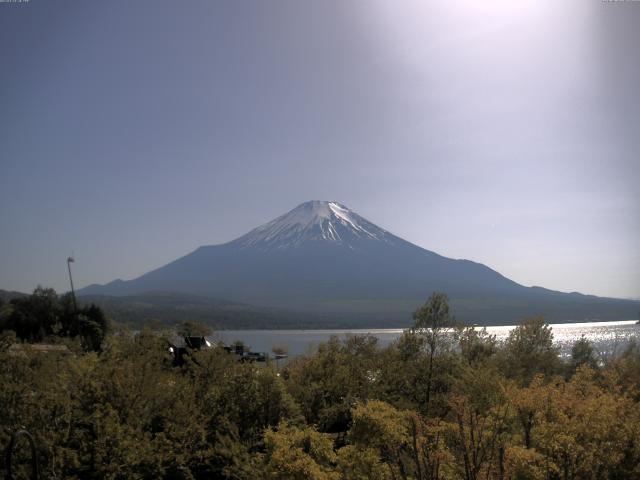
(442, 402)
(45, 315)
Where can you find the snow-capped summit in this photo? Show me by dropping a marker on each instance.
(314, 221)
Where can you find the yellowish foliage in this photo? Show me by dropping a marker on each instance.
(299, 453)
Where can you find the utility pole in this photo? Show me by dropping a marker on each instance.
(70, 260)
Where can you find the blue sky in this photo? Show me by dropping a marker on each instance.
(503, 132)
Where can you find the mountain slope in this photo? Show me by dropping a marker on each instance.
(322, 257)
(7, 296)
(171, 308)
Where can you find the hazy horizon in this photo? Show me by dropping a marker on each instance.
(503, 133)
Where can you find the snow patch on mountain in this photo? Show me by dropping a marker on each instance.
(315, 221)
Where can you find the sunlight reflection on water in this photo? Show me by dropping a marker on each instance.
(607, 337)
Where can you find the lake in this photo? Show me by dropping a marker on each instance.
(607, 337)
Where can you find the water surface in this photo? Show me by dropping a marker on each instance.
(607, 337)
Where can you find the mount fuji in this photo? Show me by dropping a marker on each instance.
(324, 259)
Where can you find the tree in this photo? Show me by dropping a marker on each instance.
(191, 328)
(530, 405)
(627, 370)
(480, 410)
(379, 426)
(529, 350)
(294, 453)
(432, 460)
(35, 317)
(328, 383)
(582, 353)
(589, 432)
(44, 315)
(349, 410)
(476, 346)
(361, 464)
(431, 322)
(92, 327)
(385, 442)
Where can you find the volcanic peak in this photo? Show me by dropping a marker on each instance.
(315, 220)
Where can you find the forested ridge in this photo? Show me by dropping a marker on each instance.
(442, 402)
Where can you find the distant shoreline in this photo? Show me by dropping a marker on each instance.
(401, 329)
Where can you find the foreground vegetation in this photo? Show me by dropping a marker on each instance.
(436, 404)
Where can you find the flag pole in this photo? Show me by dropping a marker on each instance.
(73, 293)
